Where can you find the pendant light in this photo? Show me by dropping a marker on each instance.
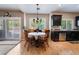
(37, 11)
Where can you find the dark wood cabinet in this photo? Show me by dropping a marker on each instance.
(56, 20)
(72, 36)
(55, 36)
(77, 21)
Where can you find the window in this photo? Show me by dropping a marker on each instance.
(37, 24)
(66, 24)
(63, 24)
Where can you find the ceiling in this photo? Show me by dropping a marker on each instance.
(44, 8)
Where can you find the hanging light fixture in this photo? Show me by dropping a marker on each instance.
(37, 11)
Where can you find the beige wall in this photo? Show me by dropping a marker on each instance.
(13, 13)
(68, 16)
(28, 16)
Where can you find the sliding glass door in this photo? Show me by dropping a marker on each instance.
(10, 28)
(13, 28)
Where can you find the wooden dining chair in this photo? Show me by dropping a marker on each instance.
(37, 30)
(40, 43)
(26, 37)
(46, 37)
(31, 42)
(28, 41)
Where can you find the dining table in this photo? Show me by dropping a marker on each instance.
(37, 39)
(36, 34)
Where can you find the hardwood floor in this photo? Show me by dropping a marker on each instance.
(55, 48)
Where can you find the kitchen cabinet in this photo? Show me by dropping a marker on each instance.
(56, 20)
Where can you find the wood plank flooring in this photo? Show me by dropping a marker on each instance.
(55, 48)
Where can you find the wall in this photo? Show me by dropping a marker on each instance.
(28, 16)
(13, 13)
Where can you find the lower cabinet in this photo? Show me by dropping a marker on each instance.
(55, 36)
(70, 35)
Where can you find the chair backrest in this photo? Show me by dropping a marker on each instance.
(47, 33)
(26, 33)
(39, 42)
(32, 41)
(37, 30)
(32, 38)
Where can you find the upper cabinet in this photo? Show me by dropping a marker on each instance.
(77, 21)
(56, 20)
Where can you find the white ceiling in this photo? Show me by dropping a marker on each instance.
(44, 8)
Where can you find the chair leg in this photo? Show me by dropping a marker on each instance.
(44, 47)
(28, 47)
(47, 42)
(25, 43)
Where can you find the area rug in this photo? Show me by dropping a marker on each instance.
(6, 46)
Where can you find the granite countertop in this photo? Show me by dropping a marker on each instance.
(63, 30)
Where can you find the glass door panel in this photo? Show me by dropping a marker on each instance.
(16, 28)
(2, 28)
(9, 28)
(13, 28)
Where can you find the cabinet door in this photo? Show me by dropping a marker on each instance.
(55, 36)
(77, 21)
(57, 20)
